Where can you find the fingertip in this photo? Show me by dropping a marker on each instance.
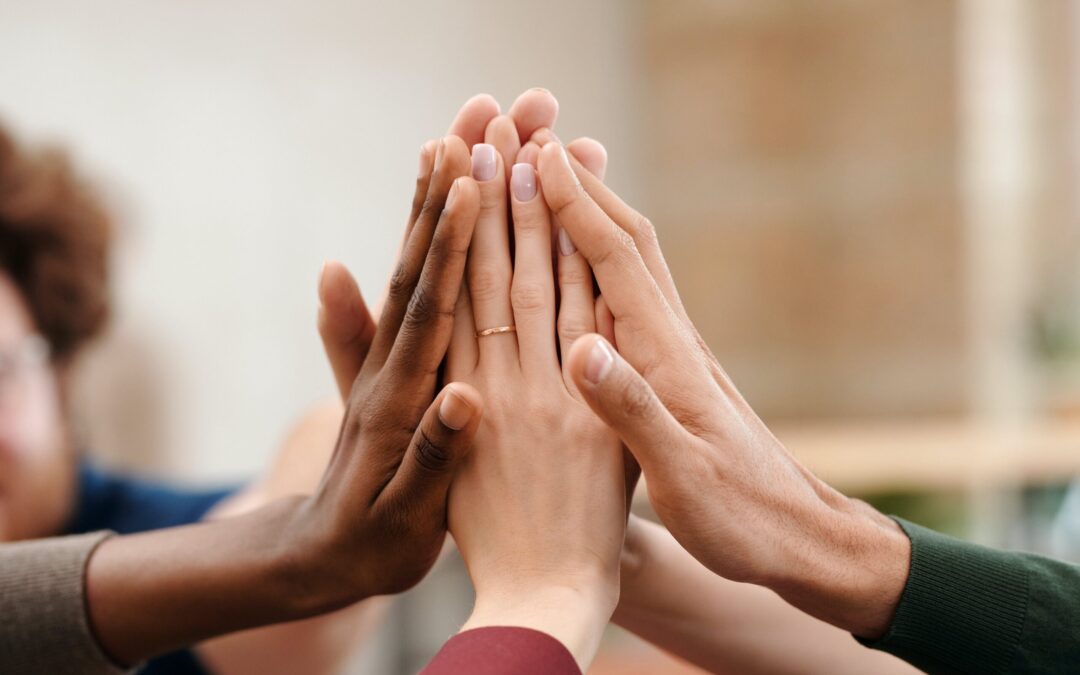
(591, 153)
(337, 287)
(591, 360)
(483, 103)
(461, 404)
(533, 109)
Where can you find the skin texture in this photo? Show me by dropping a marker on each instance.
(711, 465)
(378, 519)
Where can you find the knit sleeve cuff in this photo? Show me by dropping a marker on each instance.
(962, 609)
(42, 600)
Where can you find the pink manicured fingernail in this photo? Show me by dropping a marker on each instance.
(601, 359)
(523, 182)
(454, 411)
(483, 161)
(566, 245)
(450, 197)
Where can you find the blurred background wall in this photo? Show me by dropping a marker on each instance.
(871, 208)
(246, 142)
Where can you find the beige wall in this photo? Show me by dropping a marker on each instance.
(247, 141)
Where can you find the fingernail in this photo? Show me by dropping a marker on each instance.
(523, 182)
(601, 359)
(322, 275)
(483, 161)
(454, 411)
(423, 161)
(566, 245)
(453, 193)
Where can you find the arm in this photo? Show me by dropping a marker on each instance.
(539, 509)
(671, 600)
(728, 490)
(377, 521)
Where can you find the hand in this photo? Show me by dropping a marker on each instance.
(378, 519)
(723, 484)
(538, 508)
(346, 326)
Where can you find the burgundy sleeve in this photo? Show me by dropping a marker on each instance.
(502, 650)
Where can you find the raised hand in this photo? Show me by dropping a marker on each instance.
(538, 509)
(378, 520)
(723, 484)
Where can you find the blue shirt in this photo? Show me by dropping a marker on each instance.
(125, 504)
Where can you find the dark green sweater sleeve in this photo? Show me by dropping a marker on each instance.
(971, 609)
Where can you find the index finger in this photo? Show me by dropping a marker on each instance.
(631, 292)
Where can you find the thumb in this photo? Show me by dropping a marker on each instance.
(440, 443)
(624, 400)
(345, 324)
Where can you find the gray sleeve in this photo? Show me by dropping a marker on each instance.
(43, 622)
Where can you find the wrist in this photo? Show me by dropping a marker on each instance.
(848, 568)
(320, 570)
(575, 614)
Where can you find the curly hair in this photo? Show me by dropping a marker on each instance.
(54, 245)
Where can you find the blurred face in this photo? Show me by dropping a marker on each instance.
(36, 470)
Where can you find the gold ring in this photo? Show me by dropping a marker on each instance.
(495, 331)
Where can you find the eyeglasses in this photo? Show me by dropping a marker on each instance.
(18, 361)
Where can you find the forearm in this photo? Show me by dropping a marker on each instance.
(673, 601)
(152, 592)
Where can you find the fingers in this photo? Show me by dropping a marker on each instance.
(489, 271)
(639, 228)
(576, 304)
(425, 330)
(629, 289)
(423, 182)
(441, 441)
(535, 109)
(591, 154)
(345, 325)
(532, 292)
(625, 401)
(451, 162)
(472, 120)
(502, 134)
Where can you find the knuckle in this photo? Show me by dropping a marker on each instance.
(487, 282)
(571, 274)
(529, 296)
(572, 327)
(636, 400)
(430, 455)
(424, 308)
(400, 283)
(566, 199)
(642, 229)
